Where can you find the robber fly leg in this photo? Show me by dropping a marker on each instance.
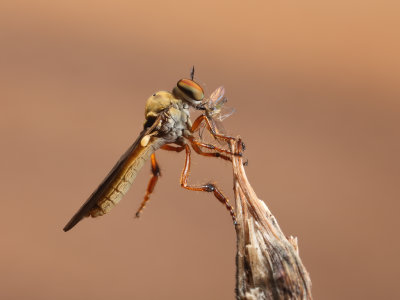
(155, 170)
(212, 147)
(212, 154)
(209, 187)
(240, 147)
(211, 128)
(173, 148)
(196, 147)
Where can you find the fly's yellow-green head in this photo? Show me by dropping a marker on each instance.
(189, 91)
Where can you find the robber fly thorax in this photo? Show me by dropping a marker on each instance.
(167, 122)
(175, 123)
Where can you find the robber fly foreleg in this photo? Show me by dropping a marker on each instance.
(210, 126)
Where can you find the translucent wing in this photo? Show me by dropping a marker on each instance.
(217, 96)
(119, 179)
(225, 112)
(216, 111)
(216, 101)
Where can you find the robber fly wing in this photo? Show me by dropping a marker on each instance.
(118, 180)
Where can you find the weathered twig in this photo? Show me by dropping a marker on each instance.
(268, 264)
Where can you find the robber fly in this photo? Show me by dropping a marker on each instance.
(167, 126)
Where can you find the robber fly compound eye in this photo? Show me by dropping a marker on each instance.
(191, 89)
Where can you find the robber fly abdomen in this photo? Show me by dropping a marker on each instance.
(126, 175)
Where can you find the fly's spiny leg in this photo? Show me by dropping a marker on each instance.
(212, 147)
(241, 147)
(211, 128)
(155, 170)
(204, 188)
(173, 148)
(213, 154)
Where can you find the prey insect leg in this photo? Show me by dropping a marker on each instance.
(155, 170)
(209, 187)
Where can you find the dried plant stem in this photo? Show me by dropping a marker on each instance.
(268, 263)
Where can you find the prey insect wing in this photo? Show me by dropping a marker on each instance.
(225, 113)
(217, 95)
(216, 111)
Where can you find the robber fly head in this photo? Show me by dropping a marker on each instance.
(189, 91)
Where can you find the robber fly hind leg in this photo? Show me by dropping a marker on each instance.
(209, 187)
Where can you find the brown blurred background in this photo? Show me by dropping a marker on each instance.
(316, 88)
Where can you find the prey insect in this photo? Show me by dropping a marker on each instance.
(167, 126)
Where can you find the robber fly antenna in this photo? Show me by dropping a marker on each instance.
(192, 73)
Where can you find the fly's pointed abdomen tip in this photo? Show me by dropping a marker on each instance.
(67, 228)
(71, 224)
